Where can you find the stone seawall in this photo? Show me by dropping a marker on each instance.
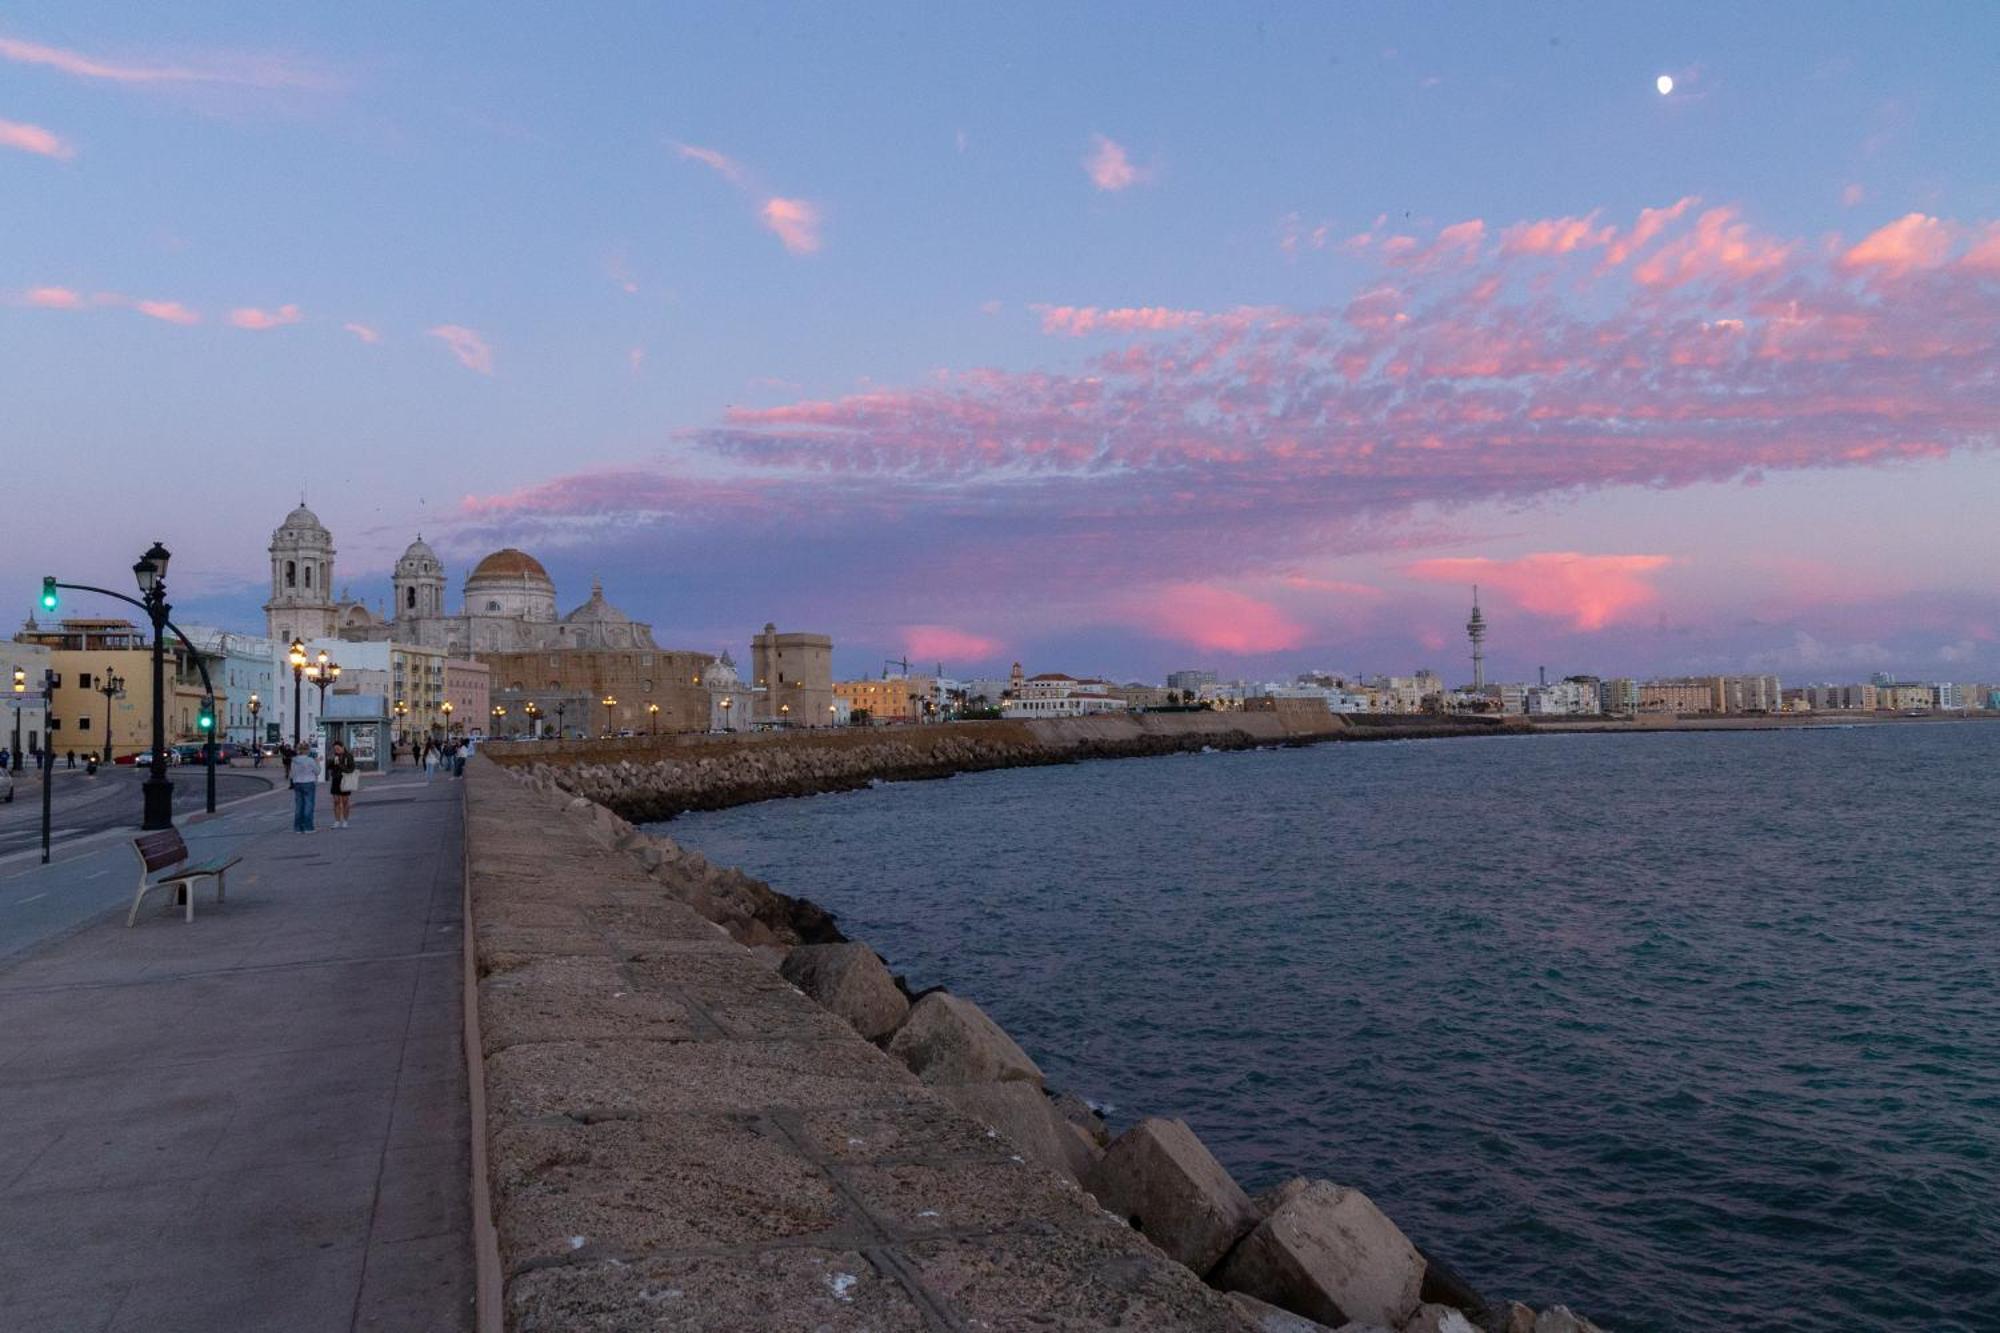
(647, 779)
(690, 1133)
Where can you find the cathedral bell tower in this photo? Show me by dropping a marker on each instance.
(419, 584)
(301, 604)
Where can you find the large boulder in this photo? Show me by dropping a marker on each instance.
(1158, 1175)
(1022, 1114)
(1432, 1318)
(1517, 1318)
(850, 980)
(1329, 1252)
(1267, 1318)
(948, 1040)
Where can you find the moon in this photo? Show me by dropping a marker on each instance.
(1665, 83)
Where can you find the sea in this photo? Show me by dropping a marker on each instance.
(1684, 1030)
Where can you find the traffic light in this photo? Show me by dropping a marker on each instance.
(20, 681)
(207, 719)
(49, 592)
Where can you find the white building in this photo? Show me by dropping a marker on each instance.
(1054, 694)
(1564, 698)
(249, 669)
(25, 724)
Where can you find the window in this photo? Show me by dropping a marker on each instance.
(410, 599)
(649, 686)
(492, 605)
(83, 723)
(309, 576)
(291, 573)
(83, 679)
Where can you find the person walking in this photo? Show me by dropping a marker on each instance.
(303, 774)
(341, 780)
(430, 760)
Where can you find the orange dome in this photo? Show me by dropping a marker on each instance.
(509, 564)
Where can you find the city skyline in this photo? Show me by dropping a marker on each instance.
(971, 338)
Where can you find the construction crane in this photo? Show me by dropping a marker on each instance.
(902, 664)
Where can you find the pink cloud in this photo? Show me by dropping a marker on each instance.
(1555, 236)
(795, 222)
(248, 71)
(249, 317)
(34, 139)
(1652, 221)
(173, 312)
(1108, 166)
(942, 643)
(1590, 591)
(1853, 194)
(468, 346)
(721, 164)
(1914, 240)
(1719, 247)
(1076, 321)
(1984, 256)
(362, 332)
(1217, 619)
(52, 298)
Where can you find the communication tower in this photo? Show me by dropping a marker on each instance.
(1475, 630)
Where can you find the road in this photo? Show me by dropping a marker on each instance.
(83, 804)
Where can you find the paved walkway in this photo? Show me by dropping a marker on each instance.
(258, 1121)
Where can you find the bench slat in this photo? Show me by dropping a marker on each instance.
(163, 848)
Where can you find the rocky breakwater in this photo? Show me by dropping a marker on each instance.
(710, 1110)
(648, 780)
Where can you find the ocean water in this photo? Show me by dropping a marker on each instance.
(1688, 1031)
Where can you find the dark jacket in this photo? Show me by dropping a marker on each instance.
(340, 774)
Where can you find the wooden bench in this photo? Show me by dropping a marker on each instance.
(167, 850)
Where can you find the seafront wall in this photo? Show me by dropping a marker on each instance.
(647, 779)
(707, 1109)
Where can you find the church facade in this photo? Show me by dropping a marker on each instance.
(508, 602)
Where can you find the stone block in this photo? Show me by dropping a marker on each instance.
(949, 1040)
(1432, 1318)
(851, 981)
(1079, 1113)
(1519, 1319)
(1159, 1176)
(1022, 1116)
(1265, 1317)
(1330, 1253)
(1561, 1319)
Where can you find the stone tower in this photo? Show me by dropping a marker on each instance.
(301, 604)
(419, 584)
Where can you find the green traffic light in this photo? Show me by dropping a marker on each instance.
(49, 592)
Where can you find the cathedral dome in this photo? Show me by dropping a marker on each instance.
(511, 584)
(418, 552)
(302, 519)
(597, 611)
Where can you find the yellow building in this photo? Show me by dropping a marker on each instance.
(899, 699)
(103, 702)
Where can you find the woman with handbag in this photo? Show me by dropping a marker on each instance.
(341, 779)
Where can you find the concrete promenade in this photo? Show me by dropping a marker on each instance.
(257, 1121)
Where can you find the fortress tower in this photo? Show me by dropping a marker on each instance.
(301, 605)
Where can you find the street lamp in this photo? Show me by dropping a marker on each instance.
(151, 575)
(296, 655)
(20, 697)
(784, 715)
(498, 713)
(562, 706)
(609, 704)
(324, 671)
(256, 739)
(653, 719)
(832, 712)
(402, 728)
(726, 701)
(445, 708)
(110, 685)
(534, 712)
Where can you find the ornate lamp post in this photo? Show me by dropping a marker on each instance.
(256, 741)
(832, 712)
(534, 712)
(499, 714)
(784, 715)
(296, 655)
(445, 708)
(726, 701)
(653, 719)
(110, 686)
(562, 706)
(151, 574)
(609, 704)
(323, 672)
(20, 695)
(402, 728)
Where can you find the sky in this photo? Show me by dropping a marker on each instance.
(1111, 338)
